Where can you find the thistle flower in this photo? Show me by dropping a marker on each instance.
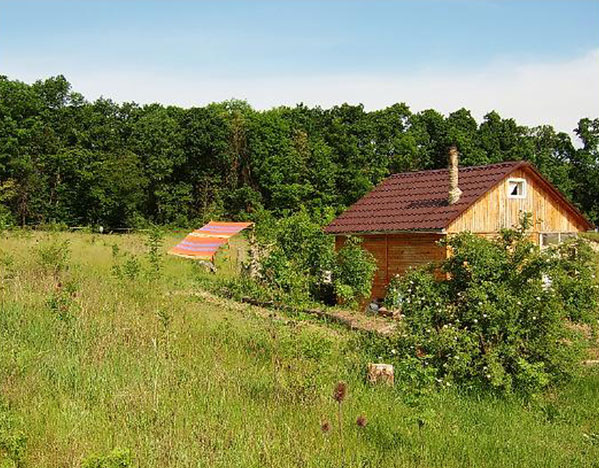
(325, 426)
(340, 391)
(361, 421)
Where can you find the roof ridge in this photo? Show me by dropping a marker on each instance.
(461, 168)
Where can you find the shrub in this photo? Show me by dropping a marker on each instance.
(296, 256)
(574, 277)
(298, 261)
(354, 271)
(493, 322)
(53, 256)
(127, 265)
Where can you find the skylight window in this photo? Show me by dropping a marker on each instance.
(516, 188)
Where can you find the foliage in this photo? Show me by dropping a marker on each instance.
(154, 242)
(296, 256)
(575, 279)
(116, 458)
(354, 271)
(53, 255)
(298, 262)
(493, 322)
(62, 301)
(13, 440)
(76, 162)
(124, 265)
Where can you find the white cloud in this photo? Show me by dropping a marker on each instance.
(557, 93)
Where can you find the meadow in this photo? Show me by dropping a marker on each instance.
(143, 367)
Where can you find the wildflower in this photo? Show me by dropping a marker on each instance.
(475, 321)
(340, 392)
(361, 421)
(393, 351)
(325, 426)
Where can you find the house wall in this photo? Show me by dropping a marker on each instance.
(395, 253)
(495, 210)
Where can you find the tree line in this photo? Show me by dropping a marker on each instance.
(65, 159)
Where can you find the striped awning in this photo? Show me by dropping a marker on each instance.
(203, 243)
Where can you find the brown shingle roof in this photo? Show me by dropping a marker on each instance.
(417, 201)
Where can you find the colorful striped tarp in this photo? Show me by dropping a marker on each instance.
(203, 243)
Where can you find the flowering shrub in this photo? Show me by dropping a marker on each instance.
(574, 273)
(495, 321)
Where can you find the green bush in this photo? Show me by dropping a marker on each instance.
(53, 255)
(574, 277)
(354, 271)
(299, 261)
(494, 322)
(296, 256)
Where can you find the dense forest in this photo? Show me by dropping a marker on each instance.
(66, 160)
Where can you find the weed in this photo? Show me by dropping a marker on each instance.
(53, 256)
(131, 268)
(12, 439)
(124, 265)
(62, 301)
(154, 242)
(339, 394)
(117, 458)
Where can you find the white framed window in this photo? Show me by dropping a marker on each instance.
(547, 239)
(516, 188)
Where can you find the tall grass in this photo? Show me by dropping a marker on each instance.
(158, 379)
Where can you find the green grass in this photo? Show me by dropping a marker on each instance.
(186, 380)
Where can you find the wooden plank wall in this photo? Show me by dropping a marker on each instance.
(495, 210)
(395, 253)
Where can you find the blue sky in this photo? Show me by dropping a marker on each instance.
(442, 54)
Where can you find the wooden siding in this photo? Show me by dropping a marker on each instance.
(495, 210)
(395, 253)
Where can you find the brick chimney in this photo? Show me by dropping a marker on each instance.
(454, 190)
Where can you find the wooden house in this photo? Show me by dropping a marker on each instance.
(402, 219)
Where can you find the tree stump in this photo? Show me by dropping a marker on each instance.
(383, 373)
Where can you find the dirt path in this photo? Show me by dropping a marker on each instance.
(350, 319)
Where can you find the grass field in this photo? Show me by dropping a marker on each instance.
(90, 363)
